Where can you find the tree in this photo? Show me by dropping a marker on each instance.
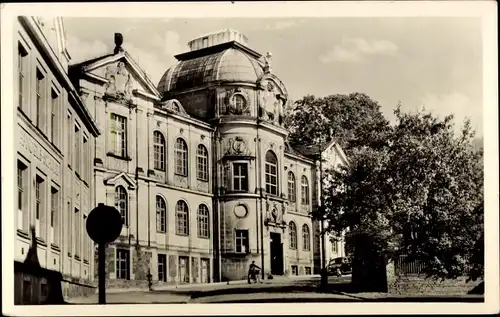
(420, 194)
(354, 120)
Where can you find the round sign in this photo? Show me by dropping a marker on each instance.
(104, 224)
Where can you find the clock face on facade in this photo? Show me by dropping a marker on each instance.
(240, 211)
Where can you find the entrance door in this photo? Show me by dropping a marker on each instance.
(205, 269)
(276, 254)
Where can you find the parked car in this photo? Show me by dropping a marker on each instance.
(339, 266)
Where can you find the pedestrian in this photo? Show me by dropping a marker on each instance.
(253, 273)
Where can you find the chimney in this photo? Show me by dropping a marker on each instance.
(118, 43)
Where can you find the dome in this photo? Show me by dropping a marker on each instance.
(228, 65)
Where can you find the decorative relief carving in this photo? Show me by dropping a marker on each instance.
(180, 181)
(119, 81)
(271, 103)
(160, 176)
(304, 209)
(237, 146)
(202, 186)
(236, 102)
(32, 146)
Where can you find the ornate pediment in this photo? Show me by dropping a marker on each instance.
(174, 106)
(122, 177)
(119, 83)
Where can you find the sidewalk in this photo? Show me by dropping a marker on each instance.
(166, 287)
(134, 297)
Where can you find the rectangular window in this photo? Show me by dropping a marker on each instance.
(118, 129)
(240, 176)
(334, 246)
(69, 145)
(54, 219)
(308, 270)
(77, 231)
(85, 242)
(23, 221)
(295, 270)
(54, 110)
(40, 107)
(39, 207)
(69, 231)
(122, 264)
(271, 178)
(241, 241)
(202, 163)
(21, 70)
(162, 267)
(77, 145)
(86, 160)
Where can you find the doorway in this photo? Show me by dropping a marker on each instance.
(276, 254)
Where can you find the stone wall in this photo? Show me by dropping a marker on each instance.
(415, 284)
(36, 285)
(141, 263)
(235, 268)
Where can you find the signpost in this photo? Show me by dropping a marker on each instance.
(104, 225)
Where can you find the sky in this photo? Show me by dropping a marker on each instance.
(431, 62)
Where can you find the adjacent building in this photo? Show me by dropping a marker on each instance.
(55, 134)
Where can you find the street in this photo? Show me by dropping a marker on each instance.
(278, 290)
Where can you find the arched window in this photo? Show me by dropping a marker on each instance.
(306, 238)
(305, 191)
(181, 157)
(292, 195)
(292, 231)
(161, 214)
(203, 222)
(182, 218)
(271, 173)
(121, 203)
(159, 151)
(202, 163)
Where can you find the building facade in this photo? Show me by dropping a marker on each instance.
(199, 165)
(55, 134)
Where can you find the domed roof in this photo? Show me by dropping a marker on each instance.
(229, 65)
(222, 56)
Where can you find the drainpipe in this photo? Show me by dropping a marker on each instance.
(136, 177)
(259, 180)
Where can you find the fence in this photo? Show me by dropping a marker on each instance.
(404, 266)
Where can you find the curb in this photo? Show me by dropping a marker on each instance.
(201, 285)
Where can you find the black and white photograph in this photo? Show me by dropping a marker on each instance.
(309, 154)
